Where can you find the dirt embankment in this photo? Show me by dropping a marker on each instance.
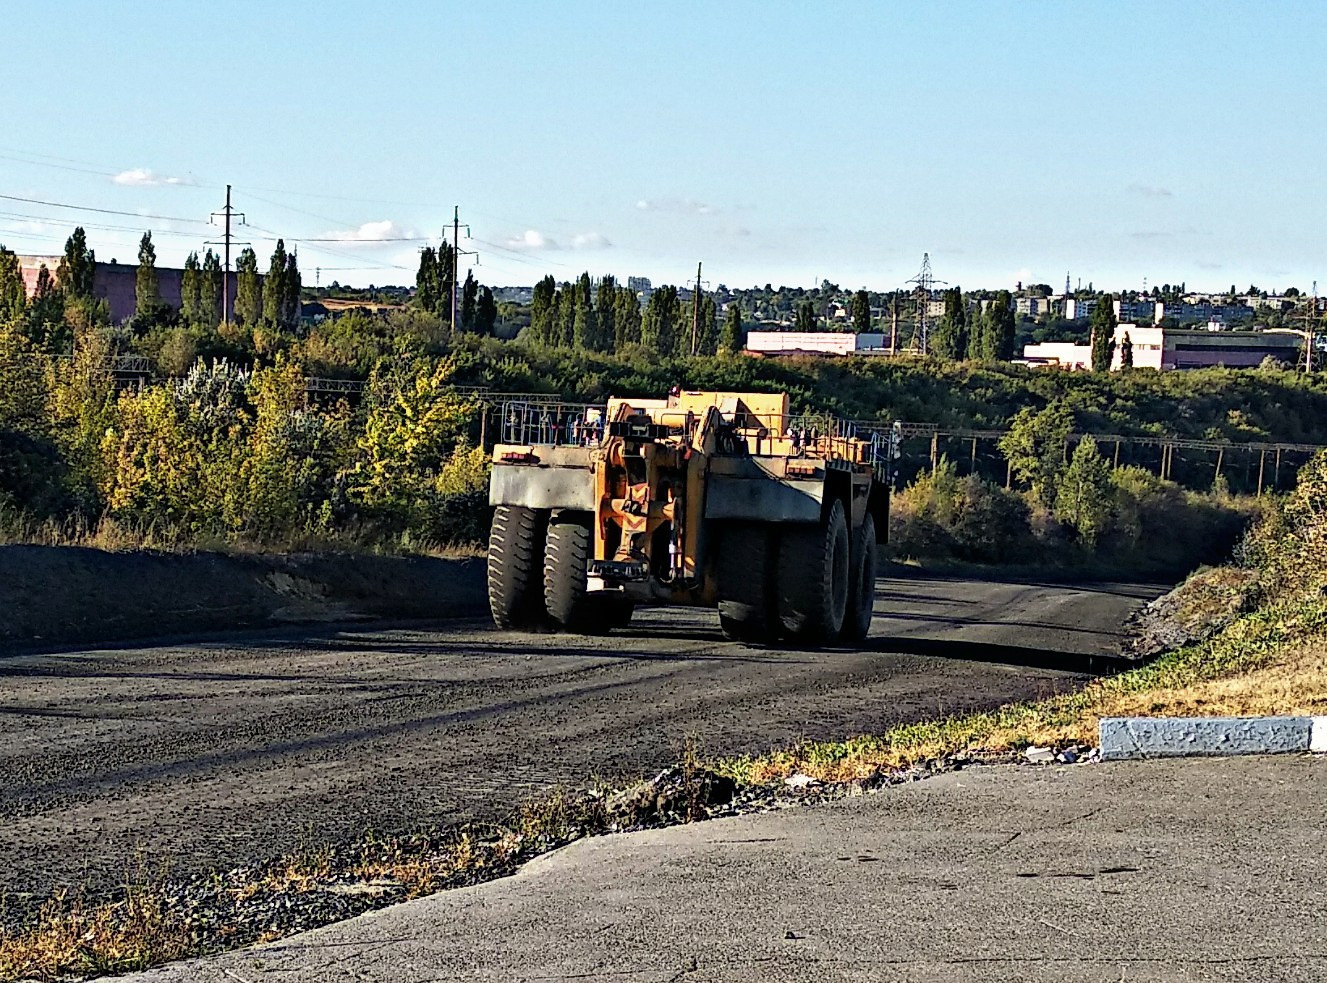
(53, 595)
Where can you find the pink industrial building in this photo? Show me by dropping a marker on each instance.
(114, 283)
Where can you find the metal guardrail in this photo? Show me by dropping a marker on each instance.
(557, 424)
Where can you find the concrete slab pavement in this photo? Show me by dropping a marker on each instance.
(1207, 869)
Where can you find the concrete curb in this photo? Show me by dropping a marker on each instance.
(1139, 738)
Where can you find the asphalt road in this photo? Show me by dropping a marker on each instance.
(219, 753)
(1183, 870)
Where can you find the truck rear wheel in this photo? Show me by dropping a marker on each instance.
(515, 557)
(813, 579)
(744, 574)
(566, 556)
(861, 594)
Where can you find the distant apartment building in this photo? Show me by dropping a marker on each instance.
(1202, 312)
(1175, 348)
(639, 284)
(1075, 309)
(115, 283)
(1035, 306)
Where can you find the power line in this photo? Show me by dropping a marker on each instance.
(100, 211)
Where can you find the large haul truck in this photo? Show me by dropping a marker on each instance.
(705, 499)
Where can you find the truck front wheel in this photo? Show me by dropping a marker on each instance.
(813, 578)
(566, 558)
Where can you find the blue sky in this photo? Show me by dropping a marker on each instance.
(777, 142)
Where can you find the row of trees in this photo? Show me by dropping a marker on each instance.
(435, 283)
(985, 335)
(606, 317)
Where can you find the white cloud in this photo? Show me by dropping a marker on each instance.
(531, 239)
(1150, 191)
(382, 231)
(679, 206)
(590, 240)
(141, 177)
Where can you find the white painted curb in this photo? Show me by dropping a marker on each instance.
(1140, 738)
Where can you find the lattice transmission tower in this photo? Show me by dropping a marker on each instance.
(924, 284)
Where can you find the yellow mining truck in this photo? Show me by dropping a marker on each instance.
(707, 499)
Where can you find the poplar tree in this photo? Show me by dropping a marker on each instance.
(191, 288)
(659, 322)
(486, 313)
(427, 288)
(804, 318)
(13, 295)
(708, 341)
(605, 310)
(211, 283)
(1001, 330)
(949, 339)
(861, 312)
(248, 289)
(77, 271)
(566, 324)
(446, 279)
(626, 318)
(1103, 334)
(274, 287)
(469, 297)
(147, 295)
(543, 308)
(730, 342)
(292, 284)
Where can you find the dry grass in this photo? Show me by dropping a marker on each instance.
(116, 537)
(73, 937)
(1271, 663)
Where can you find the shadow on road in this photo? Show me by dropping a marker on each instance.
(995, 652)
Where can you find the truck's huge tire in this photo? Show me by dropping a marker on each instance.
(515, 566)
(744, 575)
(566, 557)
(861, 592)
(813, 578)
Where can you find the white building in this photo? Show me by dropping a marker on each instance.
(813, 343)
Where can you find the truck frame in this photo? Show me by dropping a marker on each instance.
(709, 499)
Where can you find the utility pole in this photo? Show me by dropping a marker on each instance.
(893, 328)
(1310, 332)
(457, 253)
(227, 213)
(695, 313)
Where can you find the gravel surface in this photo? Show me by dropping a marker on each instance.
(219, 754)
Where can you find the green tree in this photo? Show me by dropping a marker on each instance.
(446, 279)
(427, 288)
(77, 271)
(730, 341)
(13, 295)
(566, 327)
(211, 283)
(543, 310)
(469, 298)
(949, 339)
(1083, 498)
(626, 318)
(861, 312)
(805, 319)
(1034, 446)
(275, 288)
(605, 310)
(1001, 328)
(147, 293)
(707, 340)
(1102, 338)
(46, 313)
(291, 286)
(1126, 352)
(248, 289)
(659, 322)
(191, 289)
(486, 313)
